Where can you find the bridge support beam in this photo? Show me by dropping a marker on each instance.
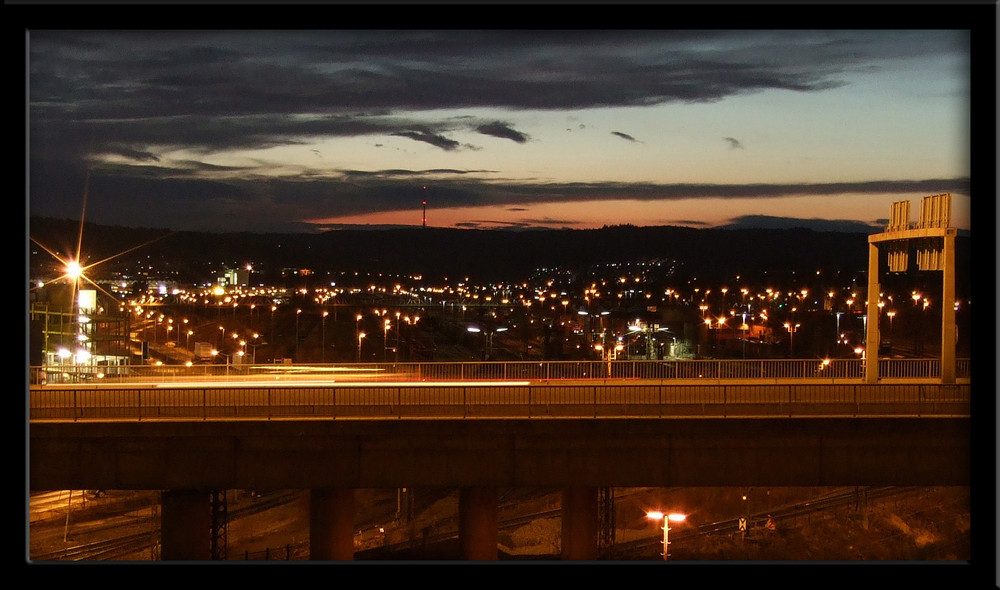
(949, 333)
(185, 525)
(331, 524)
(477, 523)
(579, 524)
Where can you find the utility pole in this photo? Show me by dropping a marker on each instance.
(606, 519)
(425, 208)
(220, 526)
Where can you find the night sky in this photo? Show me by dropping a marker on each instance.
(308, 130)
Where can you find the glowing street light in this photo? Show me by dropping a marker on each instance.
(323, 351)
(357, 331)
(273, 309)
(361, 336)
(297, 312)
(791, 338)
(215, 352)
(666, 518)
(385, 341)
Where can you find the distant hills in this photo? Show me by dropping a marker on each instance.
(480, 255)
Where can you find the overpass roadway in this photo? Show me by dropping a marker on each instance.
(189, 441)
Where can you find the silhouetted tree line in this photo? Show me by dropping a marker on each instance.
(480, 255)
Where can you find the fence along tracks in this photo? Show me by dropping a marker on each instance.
(144, 545)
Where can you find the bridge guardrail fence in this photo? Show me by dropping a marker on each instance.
(764, 369)
(399, 401)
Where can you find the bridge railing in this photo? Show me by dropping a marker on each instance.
(487, 400)
(756, 369)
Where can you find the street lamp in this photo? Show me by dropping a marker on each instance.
(255, 337)
(666, 518)
(398, 330)
(385, 341)
(297, 312)
(217, 353)
(273, 308)
(357, 331)
(361, 335)
(323, 352)
(791, 338)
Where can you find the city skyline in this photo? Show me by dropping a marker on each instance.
(302, 131)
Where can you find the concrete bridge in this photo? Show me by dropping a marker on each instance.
(191, 440)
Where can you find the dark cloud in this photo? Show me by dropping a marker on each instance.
(734, 143)
(502, 130)
(232, 89)
(434, 139)
(181, 199)
(831, 225)
(130, 153)
(623, 135)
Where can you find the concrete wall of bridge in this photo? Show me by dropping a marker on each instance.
(309, 454)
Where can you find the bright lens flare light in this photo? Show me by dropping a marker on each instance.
(73, 270)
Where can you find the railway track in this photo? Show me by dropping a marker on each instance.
(787, 515)
(145, 545)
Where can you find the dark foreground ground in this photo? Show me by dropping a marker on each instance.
(926, 524)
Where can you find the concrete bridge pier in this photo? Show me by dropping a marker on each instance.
(579, 524)
(477, 523)
(331, 524)
(185, 525)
